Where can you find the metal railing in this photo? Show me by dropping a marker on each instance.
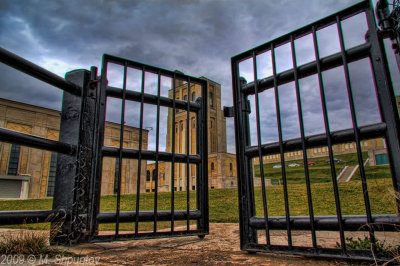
(11, 136)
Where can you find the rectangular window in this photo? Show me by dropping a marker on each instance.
(51, 182)
(116, 175)
(14, 160)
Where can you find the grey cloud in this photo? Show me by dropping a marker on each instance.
(196, 37)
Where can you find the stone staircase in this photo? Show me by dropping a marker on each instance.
(347, 173)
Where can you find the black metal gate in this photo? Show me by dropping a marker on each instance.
(198, 213)
(251, 157)
(76, 213)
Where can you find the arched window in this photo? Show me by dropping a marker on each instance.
(148, 175)
(212, 166)
(154, 175)
(185, 97)
(211, 99)
(193, 96)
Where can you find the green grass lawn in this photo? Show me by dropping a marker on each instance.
(224, 202)
(320, 172)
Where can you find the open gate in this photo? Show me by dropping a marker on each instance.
(77, 213)
(194, 109)
(256, 225)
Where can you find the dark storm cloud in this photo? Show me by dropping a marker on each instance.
(196, 37)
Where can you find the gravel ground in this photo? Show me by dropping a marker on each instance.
(221, 247)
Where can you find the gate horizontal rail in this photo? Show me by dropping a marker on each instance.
(28, 217)
(38, 72)
(150, 155)
(329, 62)
(329, 223)
(152, 99)
(8, 135)
(147, 216)
(340, 136)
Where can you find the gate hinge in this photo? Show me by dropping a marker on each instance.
(229, 111)
(247, 107)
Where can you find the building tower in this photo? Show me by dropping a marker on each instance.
(221, 165)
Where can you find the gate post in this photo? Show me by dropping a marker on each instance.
(248, 235)
(74, 172)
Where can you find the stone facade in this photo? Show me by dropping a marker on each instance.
(372, 146)
(33, 165)
(221, 165)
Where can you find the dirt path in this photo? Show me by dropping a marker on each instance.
(221, 247)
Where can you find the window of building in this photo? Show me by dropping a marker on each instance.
(211, 124)
(193, 187)
(211, 99)
(153, 190)
(174, 188)
(116, 175)
(212, 166)
(147, 190)
(154, 175)
(148, 175)
(193, 123)
(193, 96)
(185, 98)
(212, 187)
(180, 188)
(230, 166)
(13, 162)
(52, 175)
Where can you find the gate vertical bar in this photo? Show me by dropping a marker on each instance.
(121, 142)
(157, 150)
(356, 134)
(281, 150)
(260, 159)
(386, 98)
(140, 152)
(187, 158)
(329, 140)
(173, 154)
(303, 144)
(202, 168)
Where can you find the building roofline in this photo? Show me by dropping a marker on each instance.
(30, 105)
(49, 111)
(203, 77)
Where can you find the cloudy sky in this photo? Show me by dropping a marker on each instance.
(196, 37)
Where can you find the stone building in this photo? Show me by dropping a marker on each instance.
(376, 148)
(30, 173)
(221, 164)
